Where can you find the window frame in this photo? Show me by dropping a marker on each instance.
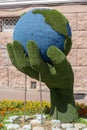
(33, 85)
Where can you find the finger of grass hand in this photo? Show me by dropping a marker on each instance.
(57, 57)
(67, 46)
(11, 54)
(20, 55)
(35, 58)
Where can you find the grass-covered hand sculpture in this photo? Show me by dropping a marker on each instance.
(42, 39)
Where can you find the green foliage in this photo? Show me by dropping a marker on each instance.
(82, 120)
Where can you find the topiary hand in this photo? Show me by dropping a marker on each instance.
(58, 76)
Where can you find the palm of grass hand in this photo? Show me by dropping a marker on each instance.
(57, 75)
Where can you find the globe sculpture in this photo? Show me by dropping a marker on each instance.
(42, 40)
(42, 32)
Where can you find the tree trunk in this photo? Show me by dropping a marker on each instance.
(63, 105)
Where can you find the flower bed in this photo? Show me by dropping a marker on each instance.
(13, 107)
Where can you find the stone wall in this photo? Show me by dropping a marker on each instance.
(11, 78)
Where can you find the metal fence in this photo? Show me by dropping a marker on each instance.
(8, 23)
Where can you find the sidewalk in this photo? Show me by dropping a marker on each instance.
(35, 95)
(20, 94)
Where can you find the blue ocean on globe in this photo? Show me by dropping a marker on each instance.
(33, 27)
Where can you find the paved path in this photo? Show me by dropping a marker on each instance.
(20, 94)
(35, 95)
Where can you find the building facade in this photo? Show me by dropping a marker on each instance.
(11, 78)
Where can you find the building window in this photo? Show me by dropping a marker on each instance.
(33, 84)
(8, 24)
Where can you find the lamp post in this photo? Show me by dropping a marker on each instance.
(41, 99)
(25, 97)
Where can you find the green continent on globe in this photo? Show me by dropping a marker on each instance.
(55, 19)
(28, 56)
